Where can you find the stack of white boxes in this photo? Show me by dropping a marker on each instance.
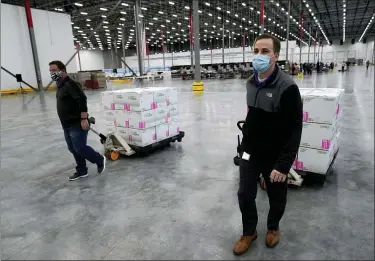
(142, 116)
(321, 129)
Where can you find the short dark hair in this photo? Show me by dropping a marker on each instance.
(276, 42)
(59, 65)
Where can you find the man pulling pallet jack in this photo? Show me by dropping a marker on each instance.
(271, 138)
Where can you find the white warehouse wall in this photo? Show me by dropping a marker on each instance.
(90, 60)
(54, 41)
(232, 55)
(338, 53)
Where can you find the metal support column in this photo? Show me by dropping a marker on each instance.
(261, 16)
(123, 46)
(89, 37)
(287, 39)
(138, 37)
(79, 57)
(243, 47)
(162, 46)
(321, 54)
(197, 67)
(34, 50)
(300, 33)
(223, 42)
(191, 40)
(308, 52)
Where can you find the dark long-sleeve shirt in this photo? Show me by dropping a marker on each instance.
(273, 126)
(71, 101)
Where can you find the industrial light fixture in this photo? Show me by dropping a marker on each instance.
(171, 3)
(124, 4)
(186, 7)
(208, 4)
(103, 9)
(78, 4)
(122, 12)
(144, 8)
(83, 13)
(367, 27)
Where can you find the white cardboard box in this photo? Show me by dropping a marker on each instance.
(124, 133)
(109, 115)
(107, 100)
(173, 110)
(172, 96)
(160, 96)
(142, 119)
(174, 128)
(322, 105)
(161, 115)
(122, 118)
(162, 132)
(143, 137)
(318, 136)
(134, 99)
(110, 123)
(314, 160)
(111, 129)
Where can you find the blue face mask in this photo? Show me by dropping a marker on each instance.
(261, 63)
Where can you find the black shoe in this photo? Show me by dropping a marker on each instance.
(77, 176)
(101, 167)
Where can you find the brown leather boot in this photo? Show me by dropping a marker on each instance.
(272, 238)
(243, 244)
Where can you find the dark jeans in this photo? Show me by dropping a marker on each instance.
(277, 192)
(76, 140)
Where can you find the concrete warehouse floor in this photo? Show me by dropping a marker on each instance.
(180, 203)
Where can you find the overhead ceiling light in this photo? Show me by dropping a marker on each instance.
(122, 19)
(103, 9)
(124, 4)
(155, 18)
(218, 8)
(83, 13)
(186, 7)
(144, 8)
(76, 27)
(168, 21)
(174, 15)
(160, 12)
(171, 3)
(141, 15)
(208, 4)
(228, 12)
(122, 12)
(78, 4)
(105, 22)
(219, 17)
(200, 11)
(88, 25)
(104, 16)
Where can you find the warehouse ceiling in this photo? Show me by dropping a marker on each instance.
(239, 18)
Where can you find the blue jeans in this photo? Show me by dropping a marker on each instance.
(76, 140)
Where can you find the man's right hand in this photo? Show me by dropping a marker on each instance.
(85, 124)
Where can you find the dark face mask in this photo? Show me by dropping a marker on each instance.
(56, 76)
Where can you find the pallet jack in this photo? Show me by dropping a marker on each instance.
(293, 177)
(115, 145)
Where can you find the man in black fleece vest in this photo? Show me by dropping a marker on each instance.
(271, 138)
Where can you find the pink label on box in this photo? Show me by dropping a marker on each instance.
(168, 101)
(166, 119)
(112, 106)
(167, 133)
(130, 137)
(127, 124)
(338, 109)
(305, 116)
(326, 144)
(178, 129)
(153, 136)
(295, 163)
(153, 105)
(299, 165)
(115, 122)
(142, 125)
